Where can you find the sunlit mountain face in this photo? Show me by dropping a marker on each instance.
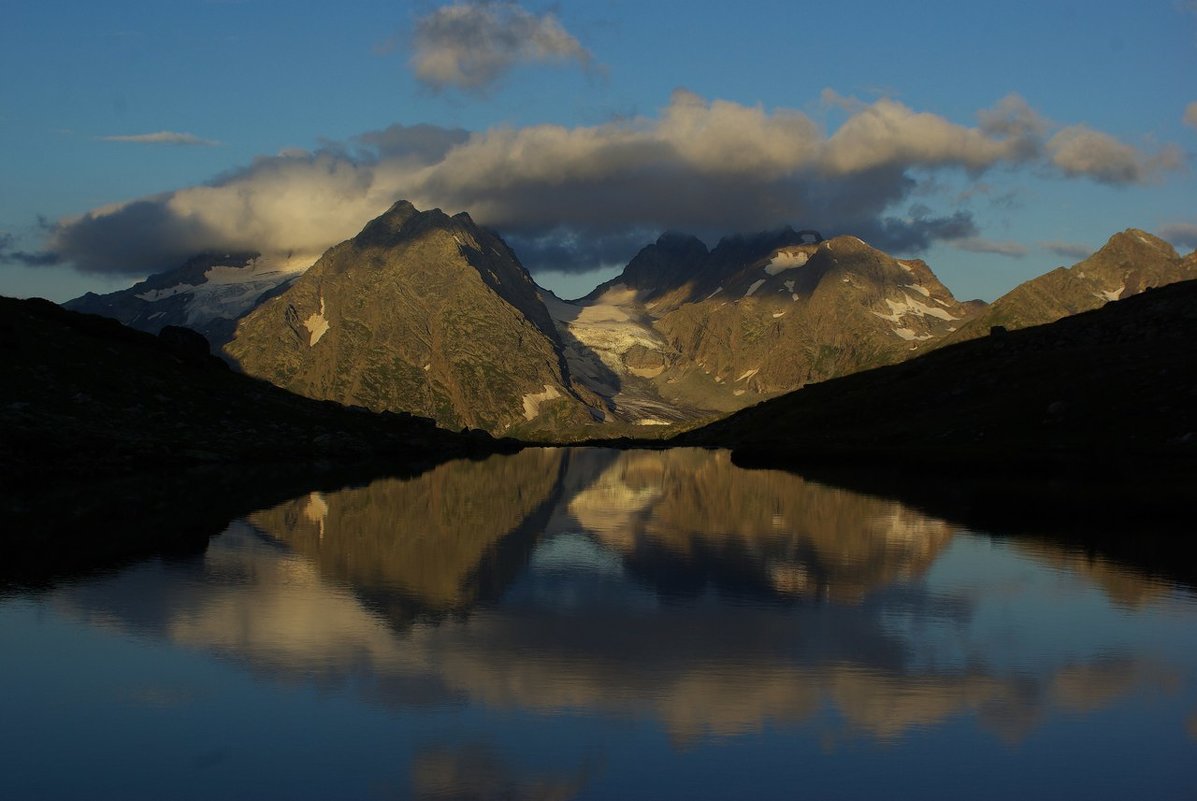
(601, 624)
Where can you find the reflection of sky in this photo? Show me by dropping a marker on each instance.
(591, 676)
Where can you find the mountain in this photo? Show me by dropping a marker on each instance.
(685, 332)
(208, 293)
(425, 313)
(1129, 263)
(86, 396)
(1108, 389)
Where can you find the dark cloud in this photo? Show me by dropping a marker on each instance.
(27, 258)
(1182, 234)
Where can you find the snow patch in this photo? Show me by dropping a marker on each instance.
(783, 261)
(909, 334)
(652, 421)
(1117, 293)
(789, 286)
(317, 325)
(778, 314)
(747, 374)
(533, 400)
(922, 290)
(755, 286)
(908, 305)
(739, 392)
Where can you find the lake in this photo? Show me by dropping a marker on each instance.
(601, 624)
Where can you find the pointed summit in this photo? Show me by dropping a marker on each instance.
(1129, 263)
(422, 313)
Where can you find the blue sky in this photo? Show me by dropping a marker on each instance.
(994, 141)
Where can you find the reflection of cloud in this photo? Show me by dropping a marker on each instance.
(478, 772)
(567, 196)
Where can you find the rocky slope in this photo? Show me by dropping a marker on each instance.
(685, 332)
(1109, 389)
(208, 294)
(1130, 262)
(86, 396)
(424, 313)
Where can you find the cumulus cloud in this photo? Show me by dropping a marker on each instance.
(471, 45)
(576, 198)
(1190, 116)
(1081, 151)
(1071, 250)
(162, 138)
(1181, 234)
(976, 244)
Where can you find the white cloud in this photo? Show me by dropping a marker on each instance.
(162, 138)
(566, 197)
(1190, 116)
(1081, 151)
(471, 45)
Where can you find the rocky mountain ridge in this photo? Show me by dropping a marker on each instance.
(434, 315)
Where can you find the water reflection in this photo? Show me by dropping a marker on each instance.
(668, 589)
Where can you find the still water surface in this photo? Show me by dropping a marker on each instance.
(565, 624)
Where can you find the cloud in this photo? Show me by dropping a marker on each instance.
(588, 196)
(471, 45)
(976, 244)
(1190, 116)
(1081, 151)
(1069, 250)
(1181, 234)
(162, 138)
(29, 259)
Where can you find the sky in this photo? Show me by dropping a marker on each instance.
(995, 141)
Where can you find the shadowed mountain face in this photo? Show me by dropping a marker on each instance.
(1111, 390)
(420, 312)
(86, 396)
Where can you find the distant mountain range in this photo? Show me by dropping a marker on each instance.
(434, 315)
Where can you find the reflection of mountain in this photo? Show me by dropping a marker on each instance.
(570, 630)
(688, 516)
(435, 543)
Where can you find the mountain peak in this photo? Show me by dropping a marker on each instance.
(401, 221)
(1136, 239)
